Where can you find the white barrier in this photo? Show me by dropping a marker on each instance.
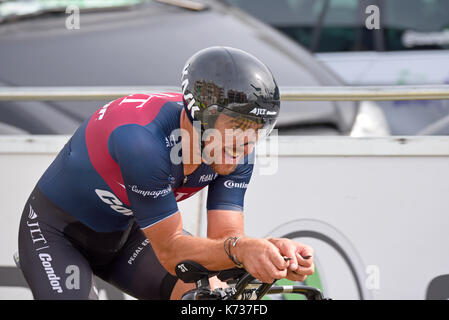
(23, 159)
(374, 209)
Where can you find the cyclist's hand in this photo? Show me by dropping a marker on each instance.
(300, 258)
(261, 259)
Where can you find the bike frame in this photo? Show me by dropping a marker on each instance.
(243, 286)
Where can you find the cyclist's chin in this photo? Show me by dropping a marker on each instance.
(223, 168)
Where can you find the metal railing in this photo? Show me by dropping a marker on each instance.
(326, 93)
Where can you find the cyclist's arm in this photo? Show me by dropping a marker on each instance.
(145, 166)
(225, 201)
(224, 223)
(172, 246)
(225, 219)
(260, 257)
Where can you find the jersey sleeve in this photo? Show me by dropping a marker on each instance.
(227, 192)
(145, 167)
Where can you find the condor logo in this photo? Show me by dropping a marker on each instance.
(115, 204)
(188, 97)
(52, 278)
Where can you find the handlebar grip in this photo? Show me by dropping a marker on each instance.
(231, 274)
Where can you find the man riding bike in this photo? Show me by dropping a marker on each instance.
(107, 205)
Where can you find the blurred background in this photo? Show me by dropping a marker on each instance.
(305, 43)
(394, 181)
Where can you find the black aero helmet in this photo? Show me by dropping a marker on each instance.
(224, 80)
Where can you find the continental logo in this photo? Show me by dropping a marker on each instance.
(230, 184)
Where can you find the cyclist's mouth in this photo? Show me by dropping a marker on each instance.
(231, 156)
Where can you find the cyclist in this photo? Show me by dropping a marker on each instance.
(107, 205)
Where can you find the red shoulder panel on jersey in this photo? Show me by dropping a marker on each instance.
(139, 109)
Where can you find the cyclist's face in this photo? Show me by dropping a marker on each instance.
(229, 141)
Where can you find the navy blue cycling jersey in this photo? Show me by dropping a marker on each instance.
(117, 167)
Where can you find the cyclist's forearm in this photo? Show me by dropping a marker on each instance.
(172, 246)
(207, 252)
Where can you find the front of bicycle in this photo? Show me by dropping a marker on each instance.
(241, 285)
